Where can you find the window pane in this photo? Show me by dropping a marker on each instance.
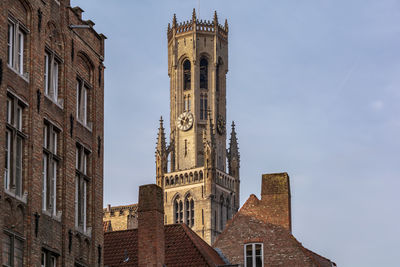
(44, 195)
(258, 261)
(10, 42)
(20, 66)
(7, 250)
(258, 249)
(9, 110)
(7, 160)
(55, 80)
(249, 261)
(18, 253)
(46, 73)
(54, 137)
(18, 168)
(43, 261)
(78, 100)
(19, 118)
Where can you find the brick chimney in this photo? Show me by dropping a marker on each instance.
(275, 198)
(151, 238)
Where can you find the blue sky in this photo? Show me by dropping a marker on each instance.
(313, 87)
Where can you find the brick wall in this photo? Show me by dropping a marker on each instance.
(80, 53)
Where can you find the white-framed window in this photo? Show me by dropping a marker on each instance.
(51, 75)
(14, 145)
(82, 102)
(49, 259)
(253, 255)
(13, 250)
(81, 187)
(16, 46)
(50, 168)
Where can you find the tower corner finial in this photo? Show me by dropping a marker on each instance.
(226, 25)
(233, 125)
(174, 21)
(215, 18)
(194, 15)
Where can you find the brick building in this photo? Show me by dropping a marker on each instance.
(51, 128)
(156, 244)
(260, 233)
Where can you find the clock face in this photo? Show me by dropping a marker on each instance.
(221, 124)
(185, 121)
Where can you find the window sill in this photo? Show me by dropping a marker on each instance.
(24, 76)
(59, 103)
(22, 198)
(88, 126)
(56, 217)
(87, 233)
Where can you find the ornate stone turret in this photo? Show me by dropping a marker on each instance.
(233, 156)
(161, 154)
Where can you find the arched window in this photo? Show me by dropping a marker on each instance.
(189, 208)
(186, 75)
(178, 210)
(203, 73)
(192, 212)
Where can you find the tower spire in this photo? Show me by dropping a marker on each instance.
(233, 145)
(161, 144)
(194, 15)
(215, 18)
(174, 21)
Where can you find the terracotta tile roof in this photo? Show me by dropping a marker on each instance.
(107, 226)
(120, 248)
(183, 248)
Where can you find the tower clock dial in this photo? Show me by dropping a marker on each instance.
(221, 124)
(185, 121)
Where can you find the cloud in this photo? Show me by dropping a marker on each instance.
(377, 105)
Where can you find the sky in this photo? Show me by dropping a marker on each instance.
(313, 88)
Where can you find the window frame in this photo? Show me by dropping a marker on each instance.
(15, 146)
(52, 69)
(82, 181)
(16, 46)
(47, 256)
(51, 164)
(12, 249)
(83, 101)
(253, 256)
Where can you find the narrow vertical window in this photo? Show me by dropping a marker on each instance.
(13, 250)
(46, 73)
(180, 212)
(186, 75)
(20, 62)
(15, 46)
(192, 212)
(203, 73)
(81, 188)
(82, 102)
(50, 167)
(10, 43)
(14, 145)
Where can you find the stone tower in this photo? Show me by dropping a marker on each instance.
(198, 188)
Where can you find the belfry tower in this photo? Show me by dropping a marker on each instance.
(198, 188)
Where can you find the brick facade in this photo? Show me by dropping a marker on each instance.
(31, 226)
(267, 221)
